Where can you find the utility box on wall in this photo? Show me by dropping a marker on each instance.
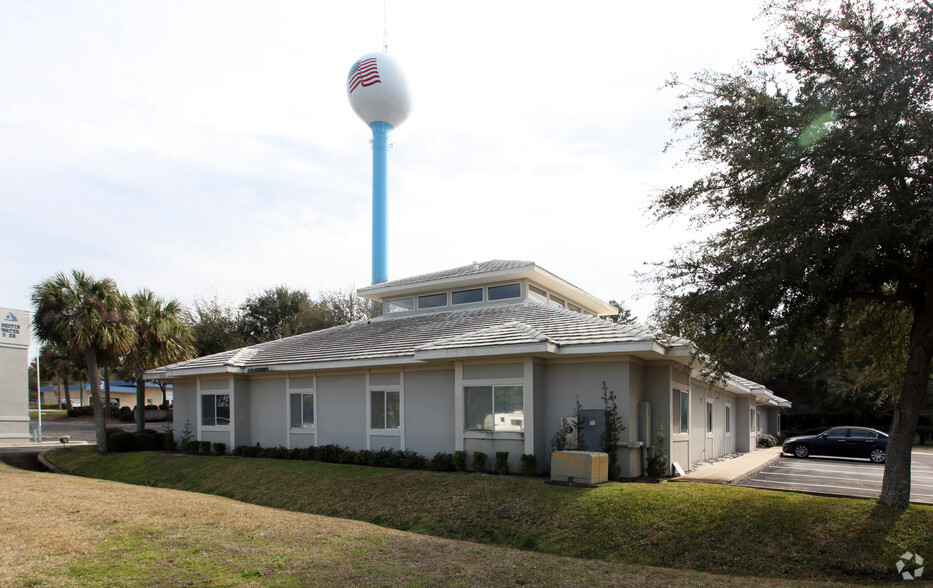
(580, 467)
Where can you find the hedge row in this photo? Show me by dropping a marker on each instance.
(387, 458)
(124, 413)
(119, 440)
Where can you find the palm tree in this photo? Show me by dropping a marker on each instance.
(63, 364)
(89, 315)
(163, 336)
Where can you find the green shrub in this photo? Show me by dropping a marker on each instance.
(329, 453)
(529, 464)
(459, 461)
(413, 461)
(219, 448)
(122, 441)
(144, 441)
(479, 461)
(768, 441)
(365, 457)
(78, 411)
(126, 415)
(502, 462)
(309, 453)
(442, 462)
(659, 465)
(294, 453)
(204, 447)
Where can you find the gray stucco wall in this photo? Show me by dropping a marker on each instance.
(429, 411)
(341, 410)
(241, 413)
(268, 412)
(542, 450)
(564, 383)
(184, 407)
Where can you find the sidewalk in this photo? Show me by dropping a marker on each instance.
(734, 470)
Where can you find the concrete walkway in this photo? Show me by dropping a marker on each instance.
(734, 470)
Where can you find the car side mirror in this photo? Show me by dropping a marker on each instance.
(824, 435)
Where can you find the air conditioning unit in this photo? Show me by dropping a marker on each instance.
(580, 467)
(568, 425)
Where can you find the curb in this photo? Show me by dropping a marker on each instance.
(755, 469)
(47, 464)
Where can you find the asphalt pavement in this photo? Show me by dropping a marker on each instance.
(858, 478)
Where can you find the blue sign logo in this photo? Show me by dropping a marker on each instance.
(11, 317)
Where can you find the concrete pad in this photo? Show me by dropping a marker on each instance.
(734, 470)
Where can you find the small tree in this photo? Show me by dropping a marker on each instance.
(609, 440)
(659, 464)
(578, 415)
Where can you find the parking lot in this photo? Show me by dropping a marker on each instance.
(844, 477)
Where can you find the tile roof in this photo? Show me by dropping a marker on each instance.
(401, 337)
(457, 272)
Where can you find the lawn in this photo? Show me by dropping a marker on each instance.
(709, 528)
(57, 531)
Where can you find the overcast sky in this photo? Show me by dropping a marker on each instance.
(208, 148)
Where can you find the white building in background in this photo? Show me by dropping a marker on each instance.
(486, 357)
(15, 329)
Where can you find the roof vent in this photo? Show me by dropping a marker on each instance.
(475, 265)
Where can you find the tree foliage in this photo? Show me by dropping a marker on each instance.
(819, 196)
(89, 315)
(162, 337)
(273, 314)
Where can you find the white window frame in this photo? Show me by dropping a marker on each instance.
(215, 427)
(728, 412)
(302, 393)
(679, 423)
(710, 412)
(400, 431)
(385, 391)
(492, 390)
(293, 388)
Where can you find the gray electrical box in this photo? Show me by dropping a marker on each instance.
(593, 427)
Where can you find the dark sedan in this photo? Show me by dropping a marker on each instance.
(841, 442)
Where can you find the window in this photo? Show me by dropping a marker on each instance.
(432, 300)
(494, 408)
(709, 417)
(557, 301)
(302, 406)
(215, 410)
(466, 296)
(682, 410)
(400, 305)
(728, 419)
(862, 434)
(384, 409)
(837, 433)
(506, 291)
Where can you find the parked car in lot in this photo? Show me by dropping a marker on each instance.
(841, 442)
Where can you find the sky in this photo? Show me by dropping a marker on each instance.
(207, 148)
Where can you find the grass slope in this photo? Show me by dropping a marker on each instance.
(717, 529)
(57, 531)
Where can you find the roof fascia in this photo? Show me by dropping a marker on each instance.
(487, 351)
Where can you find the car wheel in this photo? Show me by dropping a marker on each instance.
(801, 451)
(877, 455)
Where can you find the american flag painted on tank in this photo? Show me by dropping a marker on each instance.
(364, 72)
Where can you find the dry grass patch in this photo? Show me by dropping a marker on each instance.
(62, 530)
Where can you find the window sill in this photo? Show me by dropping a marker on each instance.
(386, 432)
(518, 435)
(299, 430)
(215, 428)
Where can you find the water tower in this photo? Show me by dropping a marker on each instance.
(379, 95)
